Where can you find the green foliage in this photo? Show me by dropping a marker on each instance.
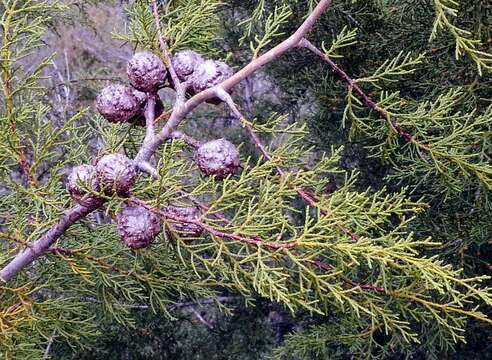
(246, 334)
(361, 262)
(445, 151)
(446, 10)
(186, 24)
(390, 70)
(333, 340)
(272, 29)
(438, 101)
(344, 39)
(266, 23)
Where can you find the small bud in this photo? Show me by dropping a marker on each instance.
(137, 226)
(184, 229)
(209, 74)
(81, 179)
(185, 63)
(142, 101)
(117, 103)
(116, 174)
(219, 158)
(141, 98)
(146, 71)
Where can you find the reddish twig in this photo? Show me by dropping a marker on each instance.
(22, 158)
(304, 194)
(164, 116)
(368, 287)
(64, 252)
(6, 77)
(251, 240)
(181, 109)
(26, 167)
(353, 86)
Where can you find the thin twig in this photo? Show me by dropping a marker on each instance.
(251, 240)
(304, 194)
(181, 109)
(371, 104)
(46, 354)
(164, 116)
(180, 89)
(187, 139)
(173, 307)
(150, 118)
(201, 319)
(64, 83)
(6, 76)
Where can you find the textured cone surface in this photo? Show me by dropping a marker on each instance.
(185, 63)
(218, 157)
(137, 226)
(117, 103)
(80, 179)
(146, 71)
(209, 74)
(182, 228)
(116, 173)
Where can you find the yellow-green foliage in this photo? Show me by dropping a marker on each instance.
(351, 256)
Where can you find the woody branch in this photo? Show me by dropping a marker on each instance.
(152, 142)
(181, 110)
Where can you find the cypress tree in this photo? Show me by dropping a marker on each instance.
(401, 83)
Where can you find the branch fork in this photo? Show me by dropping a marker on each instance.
(152, 141)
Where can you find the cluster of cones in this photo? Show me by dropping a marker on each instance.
(115, 174)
